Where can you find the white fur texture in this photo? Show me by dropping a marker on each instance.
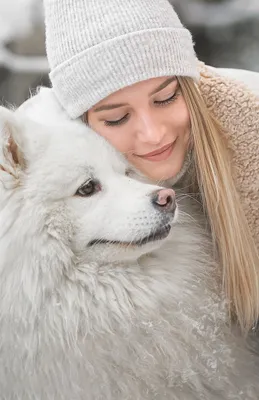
(109, 321)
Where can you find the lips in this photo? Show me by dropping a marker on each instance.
(159, 155)
(159, 151)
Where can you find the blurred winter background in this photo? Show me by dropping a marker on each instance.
(226, 33)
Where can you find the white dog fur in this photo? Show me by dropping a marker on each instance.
(106, 321)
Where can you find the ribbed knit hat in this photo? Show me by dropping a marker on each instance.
(96, 47)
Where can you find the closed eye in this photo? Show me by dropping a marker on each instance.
(161, 103)
(169, 100)
(118, 121)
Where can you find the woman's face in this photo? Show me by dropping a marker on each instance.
(148, 122)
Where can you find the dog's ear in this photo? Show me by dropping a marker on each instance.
(12, 159)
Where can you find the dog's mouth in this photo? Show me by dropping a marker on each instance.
(159, 234)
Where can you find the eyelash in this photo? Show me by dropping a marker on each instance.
(169, 100)
(119, 122)
(158, 103)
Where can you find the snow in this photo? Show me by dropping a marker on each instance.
(17, 20)
(209, 15)
(17, 63)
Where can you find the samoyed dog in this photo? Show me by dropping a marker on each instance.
(108, 289)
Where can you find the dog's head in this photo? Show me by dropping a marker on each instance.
(74, 186)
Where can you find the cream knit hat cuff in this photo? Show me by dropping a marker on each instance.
(122, 61)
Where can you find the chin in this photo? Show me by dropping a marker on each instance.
(162, 174)
(170, 169)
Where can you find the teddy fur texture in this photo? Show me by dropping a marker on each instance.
(104, 321)
(237, 109)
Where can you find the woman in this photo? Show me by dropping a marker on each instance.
(129, 70)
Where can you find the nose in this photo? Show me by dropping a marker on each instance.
(164, 200)
(151, 130)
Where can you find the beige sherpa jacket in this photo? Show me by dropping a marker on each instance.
(233, 104)
(237, 109)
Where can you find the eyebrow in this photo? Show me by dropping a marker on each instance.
(107, 107)
(163, 85)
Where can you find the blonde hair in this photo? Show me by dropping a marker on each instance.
(232, 239)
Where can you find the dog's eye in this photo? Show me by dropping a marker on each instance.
(88, 188)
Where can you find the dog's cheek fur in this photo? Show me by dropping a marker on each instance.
(61, 224)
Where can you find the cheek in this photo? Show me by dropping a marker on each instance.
(181, 117)
(118, 137)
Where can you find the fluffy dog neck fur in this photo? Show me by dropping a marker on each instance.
(153, 329)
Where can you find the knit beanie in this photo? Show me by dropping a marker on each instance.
(96, 47)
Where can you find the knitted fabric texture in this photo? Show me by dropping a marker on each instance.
(96, 47)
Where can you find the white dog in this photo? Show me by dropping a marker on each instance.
(107, 292)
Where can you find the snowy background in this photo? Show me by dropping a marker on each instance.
(226, 33)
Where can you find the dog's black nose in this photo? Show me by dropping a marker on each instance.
(164, 200)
